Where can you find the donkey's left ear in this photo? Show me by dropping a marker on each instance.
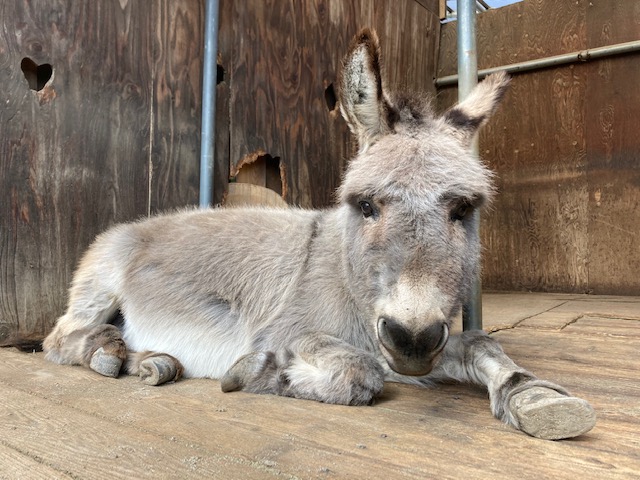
(469, 115)
(363, 103)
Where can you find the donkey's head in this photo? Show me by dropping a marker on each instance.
(408, 199)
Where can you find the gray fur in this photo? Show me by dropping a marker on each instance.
(317, 304)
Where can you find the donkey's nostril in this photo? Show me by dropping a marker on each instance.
(443, 340)
(394, 336)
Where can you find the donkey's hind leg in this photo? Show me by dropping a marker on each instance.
(154, 368)
(539, 408)
(100, 348)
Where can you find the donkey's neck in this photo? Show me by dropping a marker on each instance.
(327, 278)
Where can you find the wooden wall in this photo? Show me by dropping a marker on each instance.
(112, 136)
(281, 57)
(565, 146)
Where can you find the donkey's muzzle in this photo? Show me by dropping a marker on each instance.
(410, 352)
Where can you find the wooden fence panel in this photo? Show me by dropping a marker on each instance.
(545, 231)
(613, 150)
(175, 65)
(77, 155)
(282, 80)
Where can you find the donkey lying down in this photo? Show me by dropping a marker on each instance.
(322, 305)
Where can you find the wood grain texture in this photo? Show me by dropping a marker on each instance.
(76, 156)
(70, 154)
(548, 145)
(76, 422)
(613, 151)
(176, 50)
(221, 165)
(286, 54)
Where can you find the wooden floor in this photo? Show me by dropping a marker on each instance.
(67, 422)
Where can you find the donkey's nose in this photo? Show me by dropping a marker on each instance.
(408, 351)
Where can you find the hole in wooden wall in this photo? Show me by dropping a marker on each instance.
(330, 97)
(273, 175)
(219, 74)
(262, 170)
(258, 179)
(37, 75)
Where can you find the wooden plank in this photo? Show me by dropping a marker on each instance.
(409, 433)
(79, 155)
(222, 133)
(84, 445)
(14, 464)
(70, 154)
(615, 327)
(539, 221)
(432, 5)
(498, 312)
(173, 57)
(279, 74)
(567, 174)
(283, 71)
(297, 437)
(613, 170)
(536, 234)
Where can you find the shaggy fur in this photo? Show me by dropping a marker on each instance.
(321, 305)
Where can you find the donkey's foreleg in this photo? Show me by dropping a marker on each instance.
(318, 367)
(537, 407)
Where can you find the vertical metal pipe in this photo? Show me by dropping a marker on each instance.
(207, 138)
(467, 80)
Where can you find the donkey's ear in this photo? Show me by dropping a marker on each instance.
(470, 114)
(363, 103)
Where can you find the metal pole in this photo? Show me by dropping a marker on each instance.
(207, 138)
(467, 80)
(573, 57)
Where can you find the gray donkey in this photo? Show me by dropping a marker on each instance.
(320, 304)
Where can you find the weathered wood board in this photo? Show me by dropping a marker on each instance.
(113, 135)
(68, 422)
(567, 215)
(282, 75)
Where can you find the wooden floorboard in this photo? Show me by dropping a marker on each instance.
(67, 422)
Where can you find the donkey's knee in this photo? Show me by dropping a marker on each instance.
(100, 348)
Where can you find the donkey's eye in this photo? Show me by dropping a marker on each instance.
(461, 211)
(367, 209)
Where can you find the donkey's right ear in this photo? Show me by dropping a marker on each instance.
(469, 115)
(363, 103)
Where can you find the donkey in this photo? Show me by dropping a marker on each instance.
(320, 304)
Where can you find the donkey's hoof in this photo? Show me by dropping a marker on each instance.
(105, 364)
(544, 413)
(159, 369)
(245, 370)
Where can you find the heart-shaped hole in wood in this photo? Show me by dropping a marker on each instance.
(37, 75)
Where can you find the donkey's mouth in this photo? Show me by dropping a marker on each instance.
(410, 367)
(411, 354)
